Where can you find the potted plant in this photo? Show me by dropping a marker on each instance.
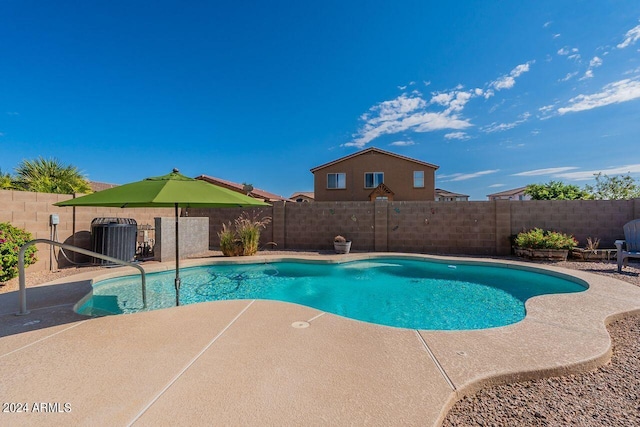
(591, 251)
(543, 244)
(341, 245)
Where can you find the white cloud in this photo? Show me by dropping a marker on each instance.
(585, 175)
(427, 83)
(587, 75)
(595, 62)
(402, 143)
(568, 76)
(613, 93)
(508, 81)
(466, 176)
(457, 135)
(497, 185)
(548, 171)
(402, 87)
(634, 71)
(409, 113)
(495, 127)
(546, 24)
(632, 36)
(555, 36)
(575, 57)
(564, 51)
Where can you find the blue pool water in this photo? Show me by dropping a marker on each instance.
(404, 293)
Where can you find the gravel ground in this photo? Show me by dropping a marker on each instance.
(608, 396)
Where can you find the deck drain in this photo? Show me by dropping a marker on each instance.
(300, 325)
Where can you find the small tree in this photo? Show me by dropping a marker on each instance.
(621, 187)
(556, 190)
(11, 239)
(50, 176)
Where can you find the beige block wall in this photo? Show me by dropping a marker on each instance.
(220, 216)
(31, 211)
(601, 219)
(314, 225)
(442, 227)
(474, 228)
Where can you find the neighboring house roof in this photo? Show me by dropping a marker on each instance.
(307, 194)
(377, 150)
(99, 186)
(256, 192)
(445, 193)
(512, 192)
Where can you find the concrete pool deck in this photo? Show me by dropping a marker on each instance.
(243, 363)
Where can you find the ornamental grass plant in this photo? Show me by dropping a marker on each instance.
(243, 236)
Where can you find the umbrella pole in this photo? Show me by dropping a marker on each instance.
(177, 281)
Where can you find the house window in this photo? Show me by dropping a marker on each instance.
(418, 179)
(373, 179)
(336, 180)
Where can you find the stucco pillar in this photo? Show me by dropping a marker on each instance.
(503, 227)
(279, 224)
(381, 242)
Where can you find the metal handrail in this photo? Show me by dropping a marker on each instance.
(23, 286)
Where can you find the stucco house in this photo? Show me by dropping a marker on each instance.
(449, 196)
(374, 174)
(302, 197)
(513, 194)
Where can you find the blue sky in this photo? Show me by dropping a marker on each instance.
(498, 94)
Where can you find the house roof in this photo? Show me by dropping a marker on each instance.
(441, 192)
(256, 192)
(371, 150)
(308, 194)
(99, 186)
(512, 192)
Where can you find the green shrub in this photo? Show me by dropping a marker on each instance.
(11, 239)
(243, 237)
(538, 238)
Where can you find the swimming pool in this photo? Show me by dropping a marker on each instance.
(398, 292)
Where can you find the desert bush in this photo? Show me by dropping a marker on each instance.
(538, 238)
(11, 239)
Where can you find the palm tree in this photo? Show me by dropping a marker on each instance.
(50, 176)
(6, 182)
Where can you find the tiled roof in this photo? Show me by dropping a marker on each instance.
(376, 150)
(445, 193)
(99, 186)
(512, 192)
(256, 192)
(308, 194)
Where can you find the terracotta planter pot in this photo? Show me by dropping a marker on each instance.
(342, 247)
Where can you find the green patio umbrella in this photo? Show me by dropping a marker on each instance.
(172, 190)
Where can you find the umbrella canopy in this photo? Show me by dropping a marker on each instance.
(165, 192)
(172, 190)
